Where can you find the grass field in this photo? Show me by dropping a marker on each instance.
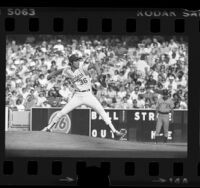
(44, 144)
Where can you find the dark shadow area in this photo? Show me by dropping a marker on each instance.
(93, 176)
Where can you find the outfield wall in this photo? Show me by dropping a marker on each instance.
(139, 125)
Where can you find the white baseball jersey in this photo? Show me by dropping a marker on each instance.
(81, 81)
(80, 77)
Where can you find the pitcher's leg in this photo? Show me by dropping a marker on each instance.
(73, 103)
(92, 102)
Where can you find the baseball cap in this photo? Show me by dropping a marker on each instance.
(73, 58)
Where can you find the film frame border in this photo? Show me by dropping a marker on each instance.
(113, 27)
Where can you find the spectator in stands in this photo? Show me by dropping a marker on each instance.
(24, 92)
(65, 91)
(53, 66)
(51, 83)
(176, 97)
(171, 83)
(151, 82)
(30, 102)
(142, 66)
(59, 46)
(9, 101)
(42, 80)
(183, 104)
(111, 92)
(53, 98)
(41, 98)
(126, 104)
(129, 100)
(45, 104)
(116, 76)
(104, 104)
(177, 105)
(56, 103)
(142, 91)
(180, 94)
(56, 91)
(181, 80)
(184, 101)
(19, 105)
(135, 105)
(150, 95)
(140, 101)
(134, 94)
(122, 92)
(185, 96)
(148, 103)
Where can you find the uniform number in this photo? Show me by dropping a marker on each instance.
(83, 81)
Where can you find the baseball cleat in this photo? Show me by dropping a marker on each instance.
(46, 129)
(118, 134)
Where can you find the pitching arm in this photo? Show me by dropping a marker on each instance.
(96, 67)
(91, 64)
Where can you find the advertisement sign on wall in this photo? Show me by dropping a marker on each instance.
(76, 122)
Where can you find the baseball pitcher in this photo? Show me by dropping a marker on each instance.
(164, 106)
(77, 72)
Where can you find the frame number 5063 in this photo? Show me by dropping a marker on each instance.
(21, 12)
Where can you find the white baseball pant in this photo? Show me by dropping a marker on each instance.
(88, 99)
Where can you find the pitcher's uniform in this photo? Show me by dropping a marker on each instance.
(164, 108)
(82, 92)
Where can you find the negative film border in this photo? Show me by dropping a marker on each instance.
(115, 22)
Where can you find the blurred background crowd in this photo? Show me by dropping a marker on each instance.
(137, 70)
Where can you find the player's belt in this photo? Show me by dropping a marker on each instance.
(163, 112)
(82, 90)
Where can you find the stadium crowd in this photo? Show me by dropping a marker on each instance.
(137, 69)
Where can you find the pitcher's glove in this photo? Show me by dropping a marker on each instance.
(102, 80)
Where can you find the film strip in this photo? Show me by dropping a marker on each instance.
(30, 156)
